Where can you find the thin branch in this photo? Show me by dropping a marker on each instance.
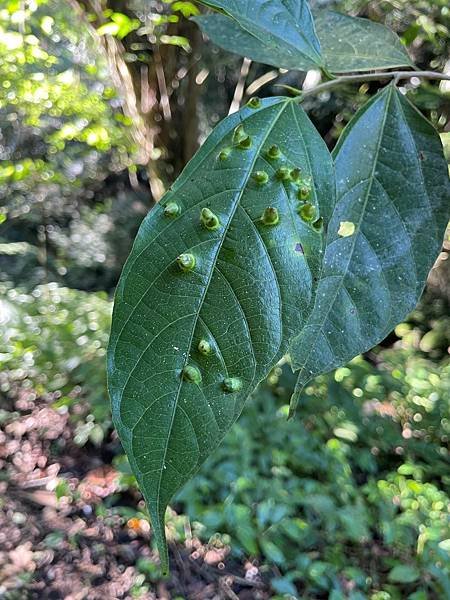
(239, 91)
(261, 81)
(395, 75)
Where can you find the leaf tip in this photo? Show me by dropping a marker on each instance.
(157, 519)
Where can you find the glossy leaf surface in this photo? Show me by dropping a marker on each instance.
(355, 44)
(276, 32)
(384, 235)
(347, 43)
(205, 306)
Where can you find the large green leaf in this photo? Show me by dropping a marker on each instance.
(384, 235)
(347, 43)
(354, 44)
(276, 32)
(249, 292)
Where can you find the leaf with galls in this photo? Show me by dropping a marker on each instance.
(383, 237)
(203, 312)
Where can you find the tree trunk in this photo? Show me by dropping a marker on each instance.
(157, 87)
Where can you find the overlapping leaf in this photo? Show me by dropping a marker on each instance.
(346, 43)
(249, 292)
(384, 235)
(276, 32)
(354, 44)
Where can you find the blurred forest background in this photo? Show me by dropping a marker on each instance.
(102, 102)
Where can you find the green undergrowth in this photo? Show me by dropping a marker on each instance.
(348, 500)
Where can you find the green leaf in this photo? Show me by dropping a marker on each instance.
(275, 32)
(403, 574)
(392, 183)
(355, 44)
(232, 276)
(347, 43)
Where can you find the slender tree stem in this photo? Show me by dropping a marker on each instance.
(395, 75)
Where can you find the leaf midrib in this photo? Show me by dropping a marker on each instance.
(189, 345)
(367, 195)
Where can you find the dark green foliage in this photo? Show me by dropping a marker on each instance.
(372, 274)
(346, 43)
(350, 492)
(232, 284)
(286, 28)
(391, 176)
(354, 489)
(279, 266)
(350, 499)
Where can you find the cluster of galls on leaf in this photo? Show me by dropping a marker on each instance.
(301, 183)
(186, 263)
(297, 185)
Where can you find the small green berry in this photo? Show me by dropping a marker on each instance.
(186, 262)
(171, 209)
(270, 216)
(254, 102)
(307, 212)
(283, 174)
(191, 374)
(273, 152)
(260, 177)
(232, 384)
(204, 347)
(209, 220)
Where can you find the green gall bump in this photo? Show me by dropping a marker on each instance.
(261, 177)
(171, 210)
(296, 175)
(232, 384)
(318, 225)
(254, 103)
(246, 143)
(304, 192)
(283, 174)
(186, 262)
(204, 347)
(191, 374)
(273, 152)
(239, 134)
(307, 212)
(209, 220)
(224, 154)
(270, 216)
